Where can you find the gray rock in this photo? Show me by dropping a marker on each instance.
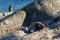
(36, 12)
(52, 7)
(40, 35)
(13, 20)
(19, 33)
(43, 34)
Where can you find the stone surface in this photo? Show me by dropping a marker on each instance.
(13, 20)
(44, 34)
(35, 14)
(52, 7)
(40, 10)
(19, 33)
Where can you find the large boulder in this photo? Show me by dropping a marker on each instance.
(13, 20)
(35, 13)
(52, 7)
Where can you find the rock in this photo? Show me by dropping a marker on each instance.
(36, 13)
(44, 34)
(39, 30)
(13, 20)
(19, 33)
(40, 35)
(6, 22)
(54, 25)
(57, 36)
(37, 5)
(52, 7)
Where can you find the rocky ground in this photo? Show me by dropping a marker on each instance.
(43, 34)
(11, 22)
(44, 11)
